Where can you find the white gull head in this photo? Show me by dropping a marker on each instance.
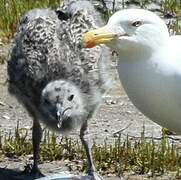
(137, 29)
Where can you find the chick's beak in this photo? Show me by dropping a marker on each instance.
(98, 36)
(59, 115)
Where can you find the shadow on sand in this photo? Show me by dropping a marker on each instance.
(13, 174)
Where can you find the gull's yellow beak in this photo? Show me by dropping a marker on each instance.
(98, 36)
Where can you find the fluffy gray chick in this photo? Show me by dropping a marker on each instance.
(57, 81)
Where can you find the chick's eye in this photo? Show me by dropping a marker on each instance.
(136, 23)
(46, 101)
(70, 97)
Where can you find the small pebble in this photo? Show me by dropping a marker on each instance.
(110, 101)
(6, 117)
(2, 103)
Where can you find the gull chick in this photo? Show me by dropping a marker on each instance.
(149, 64)
(59, 83)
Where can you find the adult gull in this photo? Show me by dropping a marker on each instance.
(149, 64)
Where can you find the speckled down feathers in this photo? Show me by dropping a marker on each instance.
(47, 49)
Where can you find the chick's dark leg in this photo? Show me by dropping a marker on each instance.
(36, 135)
(87, 145)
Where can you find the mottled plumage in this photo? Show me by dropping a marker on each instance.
(49, 71)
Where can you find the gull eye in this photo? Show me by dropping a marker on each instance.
(136, 23)
(70, 97)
